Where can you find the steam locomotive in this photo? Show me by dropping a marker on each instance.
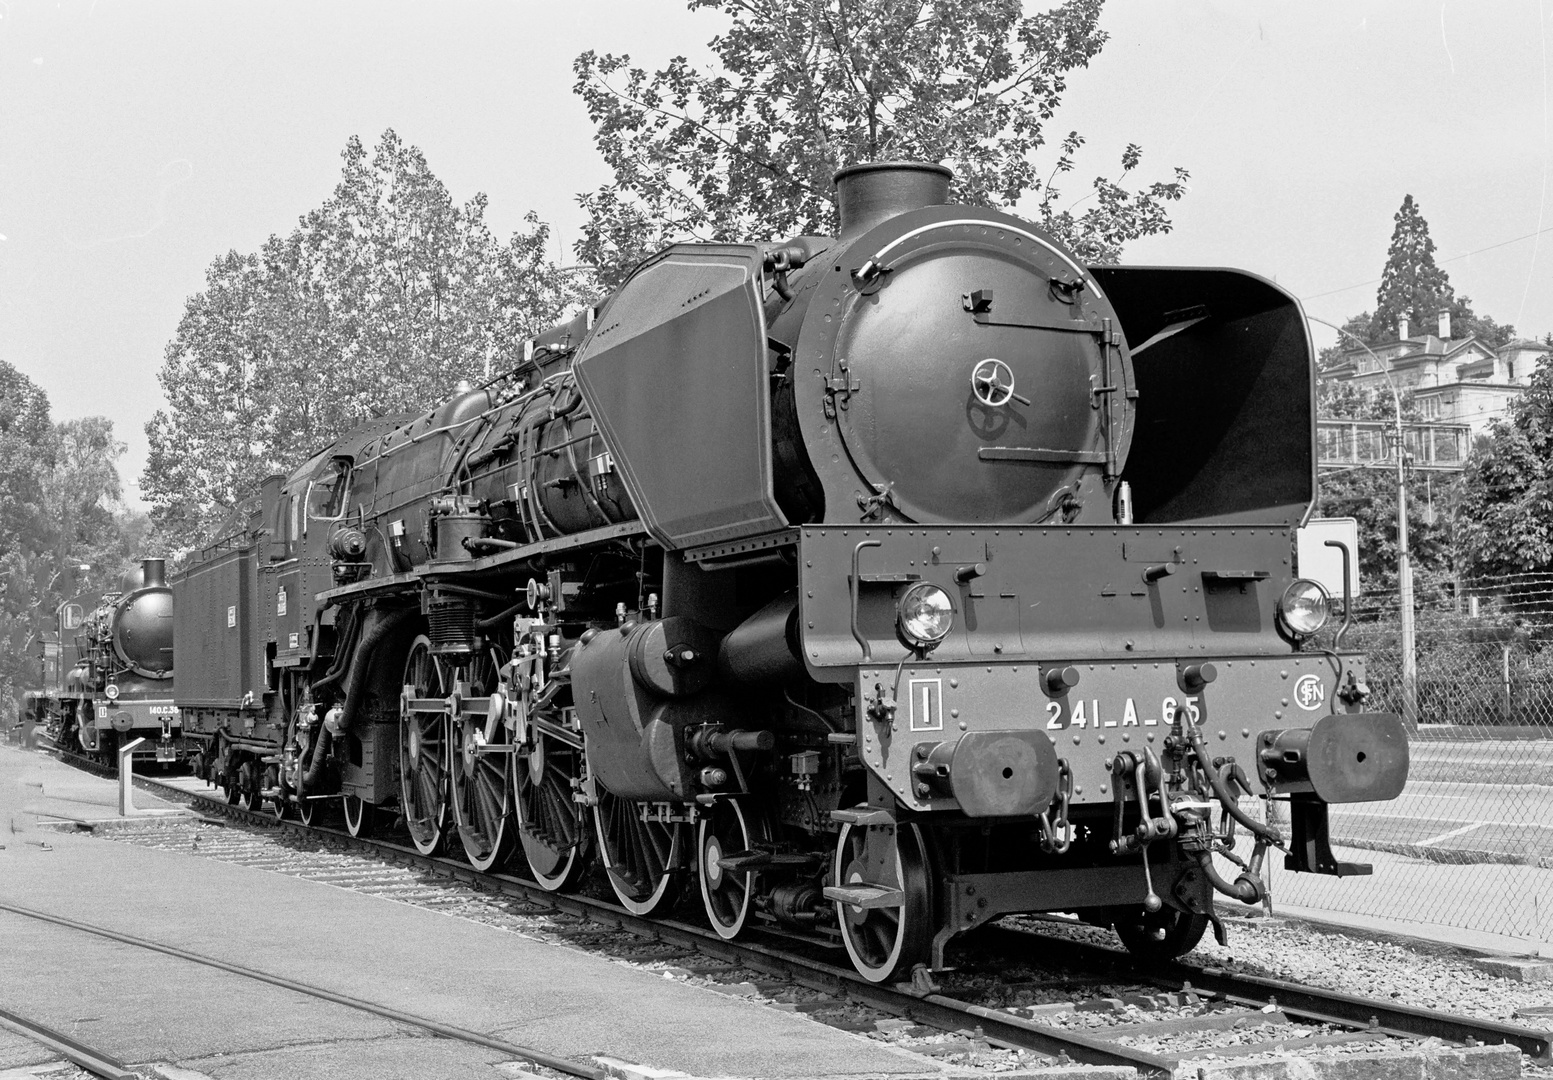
(872, 586)
(108, 673)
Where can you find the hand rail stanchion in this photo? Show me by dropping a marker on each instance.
(127, 777)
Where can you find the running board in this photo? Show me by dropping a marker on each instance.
(866, 896)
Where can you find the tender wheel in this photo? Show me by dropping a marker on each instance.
(724, 830)
(481, 779)
(1159, 936)
(360, 816)
(229, 785)
(250, 786)
(423, 751)
(893, 932)
(641, 857)
(553, 835)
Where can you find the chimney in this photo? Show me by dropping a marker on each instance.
(1445, 325)
(1402, 323)
(155, 571)
(869, 194)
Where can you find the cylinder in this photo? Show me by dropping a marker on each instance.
(869, 194)
(764, 647)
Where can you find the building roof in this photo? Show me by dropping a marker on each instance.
(1426, 346)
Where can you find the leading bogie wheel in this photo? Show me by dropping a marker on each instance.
(726, 893)
(481, 782)
(308, 810)
(280, 802)
(360, 815)
(551, 830)
(890, 930)
(423, 750)
(641, 857)
(1156, 937)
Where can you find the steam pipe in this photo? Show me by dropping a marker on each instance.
(356, 681)
(315, 764)
(1247, 888)
(338, 667)
(1221, 789)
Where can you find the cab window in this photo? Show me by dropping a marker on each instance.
(326, 496)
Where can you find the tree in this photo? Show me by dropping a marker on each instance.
(808, 86)
(1507, 504)
(59, 509)
(1413, 282)
(1357, 326)
(377, 303)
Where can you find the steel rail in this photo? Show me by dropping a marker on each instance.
(1308, 1003)
(933, 1009)
(435, 1027)
(76, 1052)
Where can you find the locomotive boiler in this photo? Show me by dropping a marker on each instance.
(109, 672)
(871, 586)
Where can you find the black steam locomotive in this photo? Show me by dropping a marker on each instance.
(874, 585)
(108, 673)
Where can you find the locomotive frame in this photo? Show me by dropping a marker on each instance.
(763, 574)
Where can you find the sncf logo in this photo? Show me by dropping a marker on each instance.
(1309, 693)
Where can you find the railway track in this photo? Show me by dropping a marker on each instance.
(83, 1056)
(1191, 999)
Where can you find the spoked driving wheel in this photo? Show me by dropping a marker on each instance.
(360, 815)
(481, 780)
(550, 828)
(887, 928)
(642, 858)
(723, 831)
(1158, 936)
(423, 749)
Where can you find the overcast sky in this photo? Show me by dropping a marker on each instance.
(139, 141)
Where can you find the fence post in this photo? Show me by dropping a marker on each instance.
(1509, 704)
(126, 777)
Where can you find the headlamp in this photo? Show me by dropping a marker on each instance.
(1304, 607)
(925, 615)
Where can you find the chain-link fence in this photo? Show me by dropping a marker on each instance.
(1470, 841)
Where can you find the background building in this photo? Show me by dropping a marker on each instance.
(1453, 380)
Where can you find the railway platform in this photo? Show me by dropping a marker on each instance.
(429, 976)
(38, 791)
